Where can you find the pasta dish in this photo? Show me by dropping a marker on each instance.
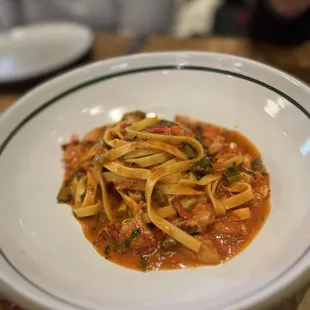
(153, 194)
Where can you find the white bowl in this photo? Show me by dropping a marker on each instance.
(34, 50)
(46, 262)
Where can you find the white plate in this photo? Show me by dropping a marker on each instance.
(46, 261)
(35, 50)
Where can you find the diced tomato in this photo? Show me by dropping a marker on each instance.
(182, 212)
(188, 133)
(210, 131)
(177, 130)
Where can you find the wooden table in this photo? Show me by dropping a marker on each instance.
(294, 60)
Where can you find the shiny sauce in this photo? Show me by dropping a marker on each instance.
(230, 237)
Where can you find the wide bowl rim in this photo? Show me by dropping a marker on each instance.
(291, 274)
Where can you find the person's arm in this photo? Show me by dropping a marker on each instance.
(281, 21)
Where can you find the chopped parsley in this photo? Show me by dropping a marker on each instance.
(134, 234)
(115, 245)
(189, 151)
(257, 164)
(65, 194)
(264, 174)
(232, 174)
(159, 199)
(254, 176)
(203, 166)
(127, 242)
(106, 251)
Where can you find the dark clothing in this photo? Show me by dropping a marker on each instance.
(266, 25)
(256, 19)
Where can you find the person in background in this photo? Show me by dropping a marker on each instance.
(273, 21)
(281, 21)
(122, 16)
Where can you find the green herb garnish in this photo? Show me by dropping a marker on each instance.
(106, 251)
(264, 174)
(200, 140)
(133, 235)
(115, 245)
(203, 166)
(232, 174)
(65, 193)
(254, 176)
(257, 164)
(159, 199)
(189, 151)
(127, 242)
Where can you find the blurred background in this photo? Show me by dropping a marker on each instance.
(276, 32)
(240, 27)
(181, 18)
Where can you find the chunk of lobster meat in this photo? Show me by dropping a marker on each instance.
(216, 146)
(261, 192)
(202, 216)
(245, 178)
(169, 128)
(137, 236)
(207, 253)
(260, 187)
(214, 141)
(94, 135)
(73, 152)
(109, 233)
(228, 228)
(247, 161)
